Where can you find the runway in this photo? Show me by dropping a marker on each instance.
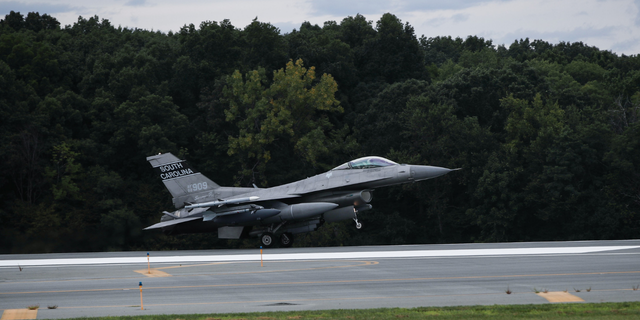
(221, 281)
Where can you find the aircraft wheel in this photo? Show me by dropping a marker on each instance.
(286, 240)
(359, 225)
(266, 239)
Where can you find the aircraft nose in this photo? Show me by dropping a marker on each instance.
(427, 172)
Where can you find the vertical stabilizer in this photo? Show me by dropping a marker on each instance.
(184, 183)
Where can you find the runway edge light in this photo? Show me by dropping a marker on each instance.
(141, 305)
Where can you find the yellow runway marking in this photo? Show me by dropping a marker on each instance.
(560, 296)
(15, 314)
(145, 271)
(155, 273)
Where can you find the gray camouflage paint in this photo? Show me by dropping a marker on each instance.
(301, 206)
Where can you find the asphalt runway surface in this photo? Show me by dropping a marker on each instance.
(222, 281)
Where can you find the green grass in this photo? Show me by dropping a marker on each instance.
(619, 310)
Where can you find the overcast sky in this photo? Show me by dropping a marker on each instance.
(607, 24)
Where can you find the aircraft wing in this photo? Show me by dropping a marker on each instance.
(171, 222)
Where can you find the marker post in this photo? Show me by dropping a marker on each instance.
(141, 305)
(148, 263)
(261, 257)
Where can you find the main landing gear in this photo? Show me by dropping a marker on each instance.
(267, 240)
(286, 240)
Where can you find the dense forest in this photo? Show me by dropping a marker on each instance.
(547, 135)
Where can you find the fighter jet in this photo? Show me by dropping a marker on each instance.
(297, 207)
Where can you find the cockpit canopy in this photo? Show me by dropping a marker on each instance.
(366, 163)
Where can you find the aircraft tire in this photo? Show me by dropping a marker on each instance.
(286, 240)
(266, 239)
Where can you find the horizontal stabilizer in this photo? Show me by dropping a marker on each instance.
(171, 223)
(170, 215)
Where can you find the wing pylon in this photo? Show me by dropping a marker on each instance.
(220, 203)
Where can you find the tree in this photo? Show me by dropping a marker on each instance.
(434, 135)
(265, 47)
(394, 54)
(380, 119)
(291, 108)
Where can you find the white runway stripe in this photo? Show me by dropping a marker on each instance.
(314, 256)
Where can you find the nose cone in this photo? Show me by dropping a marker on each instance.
(427, 172)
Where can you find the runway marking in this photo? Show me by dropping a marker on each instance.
(15, 314)
(362, 263)
(327, 282)
(318, 256)
(155, 273)
(560, 296)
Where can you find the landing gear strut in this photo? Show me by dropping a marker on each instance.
(355, 218)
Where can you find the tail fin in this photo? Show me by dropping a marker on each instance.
(184, 183)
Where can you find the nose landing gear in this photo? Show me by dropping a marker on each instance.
(355, 218)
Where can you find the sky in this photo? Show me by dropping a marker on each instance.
(612, 25)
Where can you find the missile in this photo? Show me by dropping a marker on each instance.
(222, 202)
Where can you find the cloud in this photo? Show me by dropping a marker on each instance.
(637, 3)
(438, 21)
(287, 27)
(136, 3)
(626, 46)
(343, 8)
(40, 7)
(421, 5)
(574, 35)
(349, 8)
(460, 17)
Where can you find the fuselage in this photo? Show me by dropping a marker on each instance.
(302, 206)
(348, 187)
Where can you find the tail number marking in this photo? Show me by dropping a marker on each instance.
(197, 187)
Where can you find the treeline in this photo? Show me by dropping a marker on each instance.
(547, 135)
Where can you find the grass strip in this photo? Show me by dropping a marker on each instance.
(610, 310)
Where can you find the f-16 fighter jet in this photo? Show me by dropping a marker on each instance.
(301, 206)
